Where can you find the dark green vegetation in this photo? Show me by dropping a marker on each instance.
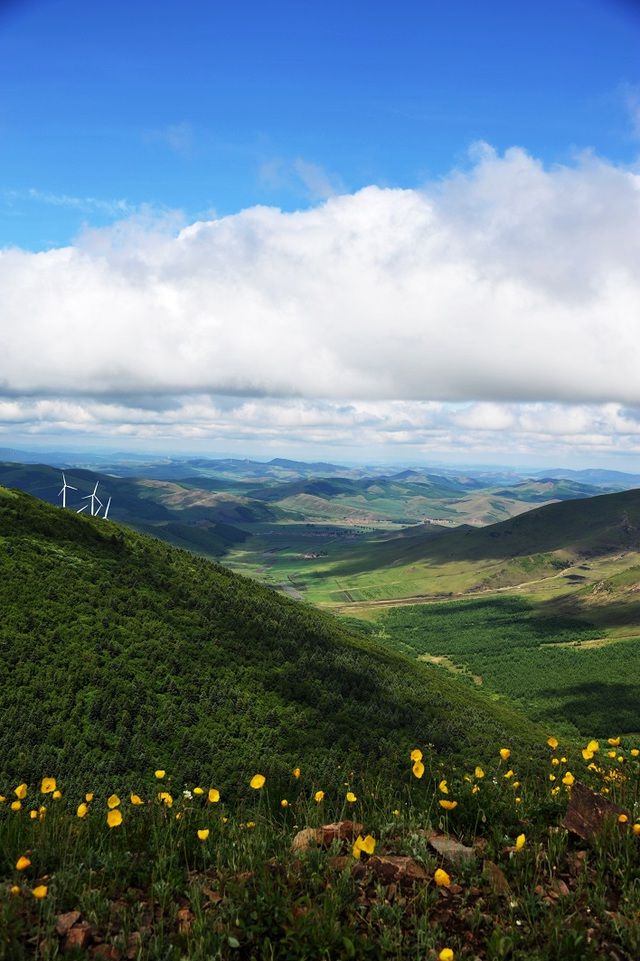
(556, 667)
(119, 653)
(150, 889)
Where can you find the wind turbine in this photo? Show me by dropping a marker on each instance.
(65, 487)
(82, 509)
(93, 498)
(106, 510)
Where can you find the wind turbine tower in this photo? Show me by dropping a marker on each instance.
(65, 487)
(93, 498)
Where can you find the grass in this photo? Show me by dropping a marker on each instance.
(555, 666)
(152, 890)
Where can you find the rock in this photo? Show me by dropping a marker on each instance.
(451, 850)
(66, 921)
(395, 869)
(107, 952)
(495, 876)
(326, 835)
(588, 812)
(304, 839)
(338, 831)
(78, 937)
(184, 917)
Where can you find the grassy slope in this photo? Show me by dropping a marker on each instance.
(120, 653)
(535, 545)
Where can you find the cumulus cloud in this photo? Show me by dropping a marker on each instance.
(505, 283)
(410, 428)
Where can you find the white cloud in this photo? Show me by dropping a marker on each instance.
(110, 207)
(508, 285)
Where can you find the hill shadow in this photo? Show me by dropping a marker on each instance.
(589, 707)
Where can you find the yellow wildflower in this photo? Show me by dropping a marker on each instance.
(56, 795)
(622, 819)
(552, 742)
(33, 815)
(21, 792)
(448, 805)
(396, 813)
(250, 824)
(362, 845)
(520, 842)
(14, 890)
(203, 834)
(505, 753)
(214, 795)
(508, 774)
(40, 892)
(443, 787)
(416, 754)
(166, 798)
(318, 796)
(23, 863)
(42, 812)
(89, 797)
(113, 801)
(114, 818)
(16, 805)
(257, 781)
(418, 769)
(587, 754)
(636, 828)
(351, 798)
(475, 788)
(198, 791)
(160, 774)
(48, 785)
(479, 773)
(446, 955)
(441, 878)
(613, 741)
(284, 803)
(634, 752)
(568, 779)
(82, 811)
(593, 746)
(136, 800)
(296, 772)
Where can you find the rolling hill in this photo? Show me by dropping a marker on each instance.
(121, 654)
(547, 542)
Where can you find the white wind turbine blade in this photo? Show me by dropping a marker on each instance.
(82, 509)
(106, 510)
(70, 488)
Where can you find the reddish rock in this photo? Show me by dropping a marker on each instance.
(66, 921)
(78, 937)
(395, 869)
(451, 850)
(107, 952)
(588, 812)
(326, 835)
(495, 876)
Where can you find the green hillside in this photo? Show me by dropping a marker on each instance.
(121, 654)
(543, 543)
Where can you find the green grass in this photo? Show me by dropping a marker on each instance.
(150, 889)
(119, 653)
(536, 655)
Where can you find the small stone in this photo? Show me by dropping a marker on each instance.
(66, 921)
(451, 850)
(78, 937)
(495, 876)
(588, 812)
(396, 868)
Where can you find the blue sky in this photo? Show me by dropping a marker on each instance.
(402, 232)
(207, 106)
